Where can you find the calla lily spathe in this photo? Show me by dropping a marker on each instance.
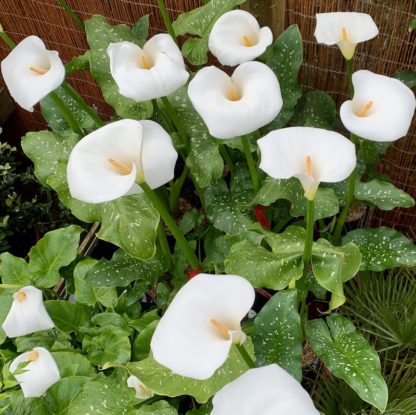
(195, 335)
(154, 71)
(236, 37)
(313, 155)
(267, 390)
(27, 314)
(31, 72)
(39, 373)
(142, 391)
(382, 108)
(236, 105)
(345, 29)
(107, 163)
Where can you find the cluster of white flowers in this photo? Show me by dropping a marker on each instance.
(194, 338)
(101, 170)
(28, 315)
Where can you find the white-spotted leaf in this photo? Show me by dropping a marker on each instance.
(285, 59)
(277, 335)
(348, 356)
(384, 195)
(164, 382)
(382, 248)
(199, 22)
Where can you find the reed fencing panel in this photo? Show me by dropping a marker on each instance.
(393, 50)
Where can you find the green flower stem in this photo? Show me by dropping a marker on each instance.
(72, 122)
(172, 115)
(6, 39)
(332, 226)
(175, 191)
(166, 19)
(200, 191)
(351, 181)
(72, 15)
(344, 213)
(349, 65)
(170, 223)
(246, 357)
(226, 157)
(251, 165)
(178, 125)
(310, 221)
(79, 100)
(303, 312)
(163, 242)
(167, 121)
(10, 287)
(307, 257)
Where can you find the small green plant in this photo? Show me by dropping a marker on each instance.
(334, 397)
(383, 305)
(29, 209)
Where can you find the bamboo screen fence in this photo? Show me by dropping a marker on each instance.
(393, 50)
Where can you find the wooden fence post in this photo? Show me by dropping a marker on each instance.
(7, 105)
(268, 12)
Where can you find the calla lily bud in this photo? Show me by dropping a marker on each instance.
(154, 71)
(31, 72)
(38, 372)
(236, 37)
(236, 105)
(382, 108)
(345, 29)
(107, 163)
(313, 155)
(267, 390)
(142, 391)
(27, 314)
(195, 335)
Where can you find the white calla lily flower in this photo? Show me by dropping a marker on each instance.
(382, 108)
(38, 374)
(142, 391)
(267, 390)
(313, 155)
(27, 314)
(31, 72)
(236, 105)
(236, 37)
(195, 335)
(154, 71)
(107, 163)
(345, 29)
